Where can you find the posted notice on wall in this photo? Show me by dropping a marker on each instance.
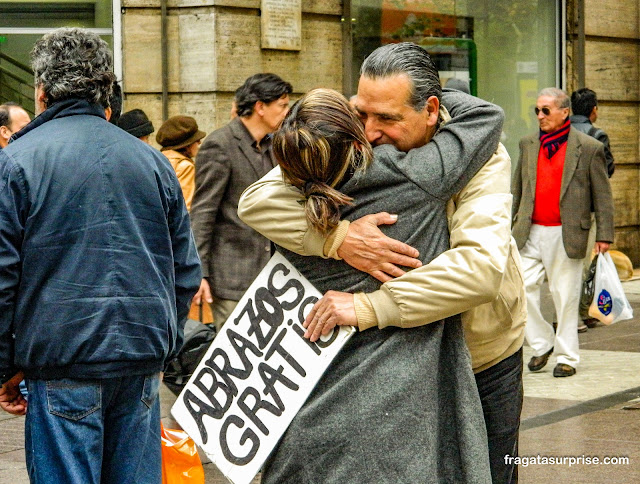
(257, 373)
(281, 24)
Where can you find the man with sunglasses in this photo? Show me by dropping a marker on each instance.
(560, 178)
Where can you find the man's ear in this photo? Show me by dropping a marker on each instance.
(432, 108)
(40, 100)
(5, 134)
(258, 107)
(108, 112)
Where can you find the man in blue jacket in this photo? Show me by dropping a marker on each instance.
(97, 270)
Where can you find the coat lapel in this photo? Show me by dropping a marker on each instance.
(570, 161)
(239, 132)
(533, 148)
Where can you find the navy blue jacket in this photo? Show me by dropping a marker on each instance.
(97, 260)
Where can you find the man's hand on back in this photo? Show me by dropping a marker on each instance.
(367, 249)
(333, 309)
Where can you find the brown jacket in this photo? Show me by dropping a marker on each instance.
(232, 253)
(585, 188)
(186, 172)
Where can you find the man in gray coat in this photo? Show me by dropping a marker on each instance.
(230, 159)
(559, 177)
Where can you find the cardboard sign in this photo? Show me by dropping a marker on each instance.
(257, 373)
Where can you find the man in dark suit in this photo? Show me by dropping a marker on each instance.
(230, 159)
(560, 178)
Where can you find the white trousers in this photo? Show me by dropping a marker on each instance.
(544, 254)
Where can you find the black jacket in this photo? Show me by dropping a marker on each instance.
(582, 123)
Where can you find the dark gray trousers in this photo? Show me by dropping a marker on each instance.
(501, 394)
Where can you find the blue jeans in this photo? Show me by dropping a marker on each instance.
(94, 431)
(501, 394)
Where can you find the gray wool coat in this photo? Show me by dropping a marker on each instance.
(398, 405)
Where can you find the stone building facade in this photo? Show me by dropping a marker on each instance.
(189, 56)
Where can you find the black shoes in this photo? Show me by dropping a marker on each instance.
(591, 323)
(537, 363)
(563, 369)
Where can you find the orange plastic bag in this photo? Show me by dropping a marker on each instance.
(180, 460)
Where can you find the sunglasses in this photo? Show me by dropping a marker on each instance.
(546, 111)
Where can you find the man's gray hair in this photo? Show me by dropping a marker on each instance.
(70, 63)
(411, 60)
(561, 98)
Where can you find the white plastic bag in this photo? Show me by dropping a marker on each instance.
(609, 304)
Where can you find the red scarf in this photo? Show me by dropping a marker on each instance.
(553, 141)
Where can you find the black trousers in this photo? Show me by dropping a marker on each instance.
(501, 394)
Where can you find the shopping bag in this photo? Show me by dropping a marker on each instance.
(180, 460)
(588, 288)
(609, 304)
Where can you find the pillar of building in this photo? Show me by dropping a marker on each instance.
(212, 47)
(610, 59)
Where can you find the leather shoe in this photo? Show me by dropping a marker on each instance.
(562, 369)
(591, 323)
(537, 363)
(582, 328)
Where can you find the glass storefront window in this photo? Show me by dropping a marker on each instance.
(22, 23)
(506, 49)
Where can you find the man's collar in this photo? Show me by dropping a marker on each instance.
(579, 118)
(444, 115)
(443, 118)
(246, 133)
(61, 109)
(254, 127)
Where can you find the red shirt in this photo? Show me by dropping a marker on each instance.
(546, 208)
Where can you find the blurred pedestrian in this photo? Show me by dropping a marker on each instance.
(12, 119)
(584, 104)
(136, 123)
